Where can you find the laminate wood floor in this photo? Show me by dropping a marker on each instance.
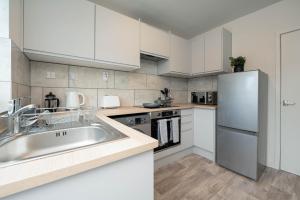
(194, 178)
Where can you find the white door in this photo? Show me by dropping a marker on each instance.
(290, 98)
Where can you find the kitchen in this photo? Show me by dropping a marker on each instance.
(53, 51)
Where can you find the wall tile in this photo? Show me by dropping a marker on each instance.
(89, 94)
(39, 72)
(147, 67)
(37, 96)
(59, 93)
(126, 96)
(20, 67)
(179, 96)
(128, 80)
(24, 91)
(179, 84)
(215, 83)
(158, 82)
(86, 77)
(200, 84)
(145, 96)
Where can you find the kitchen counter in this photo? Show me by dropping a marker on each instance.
(136, 110)
(27, 175)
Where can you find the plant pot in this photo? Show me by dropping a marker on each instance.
(239, 68)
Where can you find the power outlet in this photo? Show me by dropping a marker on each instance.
(105, 76)
(50, 75)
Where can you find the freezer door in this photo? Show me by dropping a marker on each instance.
(237, 151)
(238, 100)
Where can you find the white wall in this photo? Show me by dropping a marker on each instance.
(4, 18)
(255, 36)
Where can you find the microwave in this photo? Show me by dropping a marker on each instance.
(205, 98)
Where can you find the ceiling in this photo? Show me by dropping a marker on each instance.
(186, 18)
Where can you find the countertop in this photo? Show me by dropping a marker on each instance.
(135, 110)
(26, 175)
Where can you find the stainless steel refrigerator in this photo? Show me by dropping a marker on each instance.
(241, 140)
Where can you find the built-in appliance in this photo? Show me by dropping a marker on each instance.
(139, 122)
(241, 138)
(209, 98)
(109, 101)
(172, 121)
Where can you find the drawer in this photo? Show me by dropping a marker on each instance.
(186, 119)
(186, 112)
(186, 126)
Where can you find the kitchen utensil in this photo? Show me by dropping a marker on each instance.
(151, 105)
(73, 100)
(51, 102)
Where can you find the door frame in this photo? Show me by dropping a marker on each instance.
(278, 94)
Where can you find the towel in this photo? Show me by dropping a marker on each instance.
(175, 129)
(162, 132)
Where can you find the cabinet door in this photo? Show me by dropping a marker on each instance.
(180, 54)
(213, 50)
(63, 27)
(117, 38)
(197, 45)
(155, 41)
(204, 129)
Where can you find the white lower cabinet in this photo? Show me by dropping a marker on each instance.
(204, 132)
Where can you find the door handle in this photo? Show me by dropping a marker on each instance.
(288, 103)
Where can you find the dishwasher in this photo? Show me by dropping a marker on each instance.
(139, 122)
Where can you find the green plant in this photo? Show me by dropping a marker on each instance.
(239, 61)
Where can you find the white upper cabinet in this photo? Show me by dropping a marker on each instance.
(154, 41)
(197, 55)
(117, 38)
(63, 27)
(218, 49)
(179, 63)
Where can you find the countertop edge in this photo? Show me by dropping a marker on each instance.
(144, 144)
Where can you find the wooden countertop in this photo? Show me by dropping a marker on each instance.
(33, 173)
(135, 110)
(26, 175)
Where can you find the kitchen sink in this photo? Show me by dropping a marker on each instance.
(39, 144)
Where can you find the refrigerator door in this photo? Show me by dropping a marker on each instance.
(238, 100)
(237, 151)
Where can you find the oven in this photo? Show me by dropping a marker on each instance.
(171, 132)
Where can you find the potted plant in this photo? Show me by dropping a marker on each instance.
(238, 63)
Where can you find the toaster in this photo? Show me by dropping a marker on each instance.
(110, 102)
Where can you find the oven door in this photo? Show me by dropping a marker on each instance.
(154, 133)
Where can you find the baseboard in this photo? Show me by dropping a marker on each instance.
(172, 158)
(206, 154)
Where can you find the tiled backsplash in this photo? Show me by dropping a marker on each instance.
(15, 73)
(208, 83)
(133, 88)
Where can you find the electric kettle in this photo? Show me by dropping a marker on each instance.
(74, 100)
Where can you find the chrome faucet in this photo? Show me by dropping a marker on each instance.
(14, 114)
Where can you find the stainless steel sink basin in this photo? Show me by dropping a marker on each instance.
(36, 145)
